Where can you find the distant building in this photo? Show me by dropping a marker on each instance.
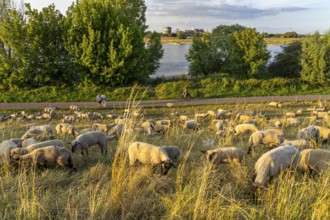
(167, 30)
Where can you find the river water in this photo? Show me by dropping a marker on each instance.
(174, 60)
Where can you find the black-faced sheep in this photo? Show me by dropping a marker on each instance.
(271, 163)
(47, 155)
(174, 153)
(316, 160)
(267, 138)
(86, 140)
(224, 155)
(149, 154)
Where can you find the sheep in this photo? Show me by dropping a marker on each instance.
(170, 105)
(117, 130)
(201, 116)
(70, 118)
(74, 108)
(66, 129)
(191, 124)
(149, 131)
(324, 134)
(278, 123)
(315, 160)
(47, 155)
(211, 113)
(309, 133)
(164, 122)
(49, 109)
(277, 131)
(29, 149)
(38, 132)
(102, 127)
(290, 114)
(292, 122)
(161, 128)
(174, 153)
(275, 104)
(184, 118)
(149, 154)
(300, 144)
(216, 125)
(27, 142)
(267, 138)
(224, 155)
(5, 147)
(86, 140)
(244, 128)
(271, 163)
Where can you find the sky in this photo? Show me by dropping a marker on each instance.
(272, 16)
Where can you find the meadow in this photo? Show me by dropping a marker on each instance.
(105, 187)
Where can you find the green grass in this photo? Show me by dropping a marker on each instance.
(105, 187)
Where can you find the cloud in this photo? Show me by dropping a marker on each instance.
(214, 9)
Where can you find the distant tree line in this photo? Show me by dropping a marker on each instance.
(241, 52)
(99, 42)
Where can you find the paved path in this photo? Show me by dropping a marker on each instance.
(151, 103)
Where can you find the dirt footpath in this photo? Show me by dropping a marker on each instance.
(151, 103)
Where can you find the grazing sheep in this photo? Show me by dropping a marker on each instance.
(277, 131)
(71, 118)
(317, 160)
(224, 155)
(201, 116)
(300, 144)
(275, 104)
(324, 134)
(165, 122)
(49, 109)
(74, 108)
(211, 113)
(66, 129)
(191, 124)
(86, 140)
(290, 114)
(47, 155)
(271, 163)
(117, 130)
(292, 122)
(149, 154)
(27, 142)
(17, 140)
(267, 138)
(173, 152)
(245, 128)
(102, 127)
(184, 118)
(149, 131)
(29, 149)
(38, 132)
(5, 147)
(309, 133)
(216, 125)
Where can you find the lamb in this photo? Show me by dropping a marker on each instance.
(309, 133)
(102, 127)
(300, 144)
(224, 155)
(29, 149)
(47, 155)
(66, 129)
(86, 140)
(244, 128)
(315, 160)
(271, 163)
(267, 138)
(174, 154)
(149, 154)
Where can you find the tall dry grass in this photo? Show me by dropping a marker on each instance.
(105, 187)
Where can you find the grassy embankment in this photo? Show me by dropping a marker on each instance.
(105, 187)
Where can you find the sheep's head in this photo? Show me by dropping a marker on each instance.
(166, 165)
(75, 145)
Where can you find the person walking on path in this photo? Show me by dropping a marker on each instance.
(99, 99)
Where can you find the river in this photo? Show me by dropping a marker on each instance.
(174, 60)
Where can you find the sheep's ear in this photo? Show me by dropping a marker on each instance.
(203, 151)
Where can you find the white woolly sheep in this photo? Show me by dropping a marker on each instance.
(74, 108)
(309, 133)
(149, 154)
(275, 104)
(102, 127)
(216, 125)
(27, 142)
(201, 116)
(224, 155)
(277, 131)
(117, 130)
(29, 149)
(86, 140)
(267, 138)
(290, 114)
(271, 163)
(38, 132)
(161, 128)
(244, 128)
(66, 129)
(300, 144)
(5, 147)
(49, 109)
(47, 155)
(292, 122)
(184, 118)
(317, 160)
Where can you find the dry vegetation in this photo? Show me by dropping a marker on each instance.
(105, 187)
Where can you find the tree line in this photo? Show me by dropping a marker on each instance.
(106, 43)
(241, 52)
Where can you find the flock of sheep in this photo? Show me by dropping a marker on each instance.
(38, 144)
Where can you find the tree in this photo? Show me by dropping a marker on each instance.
(107, 37)
(287, 63)
(250, 56)
(315, 59)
